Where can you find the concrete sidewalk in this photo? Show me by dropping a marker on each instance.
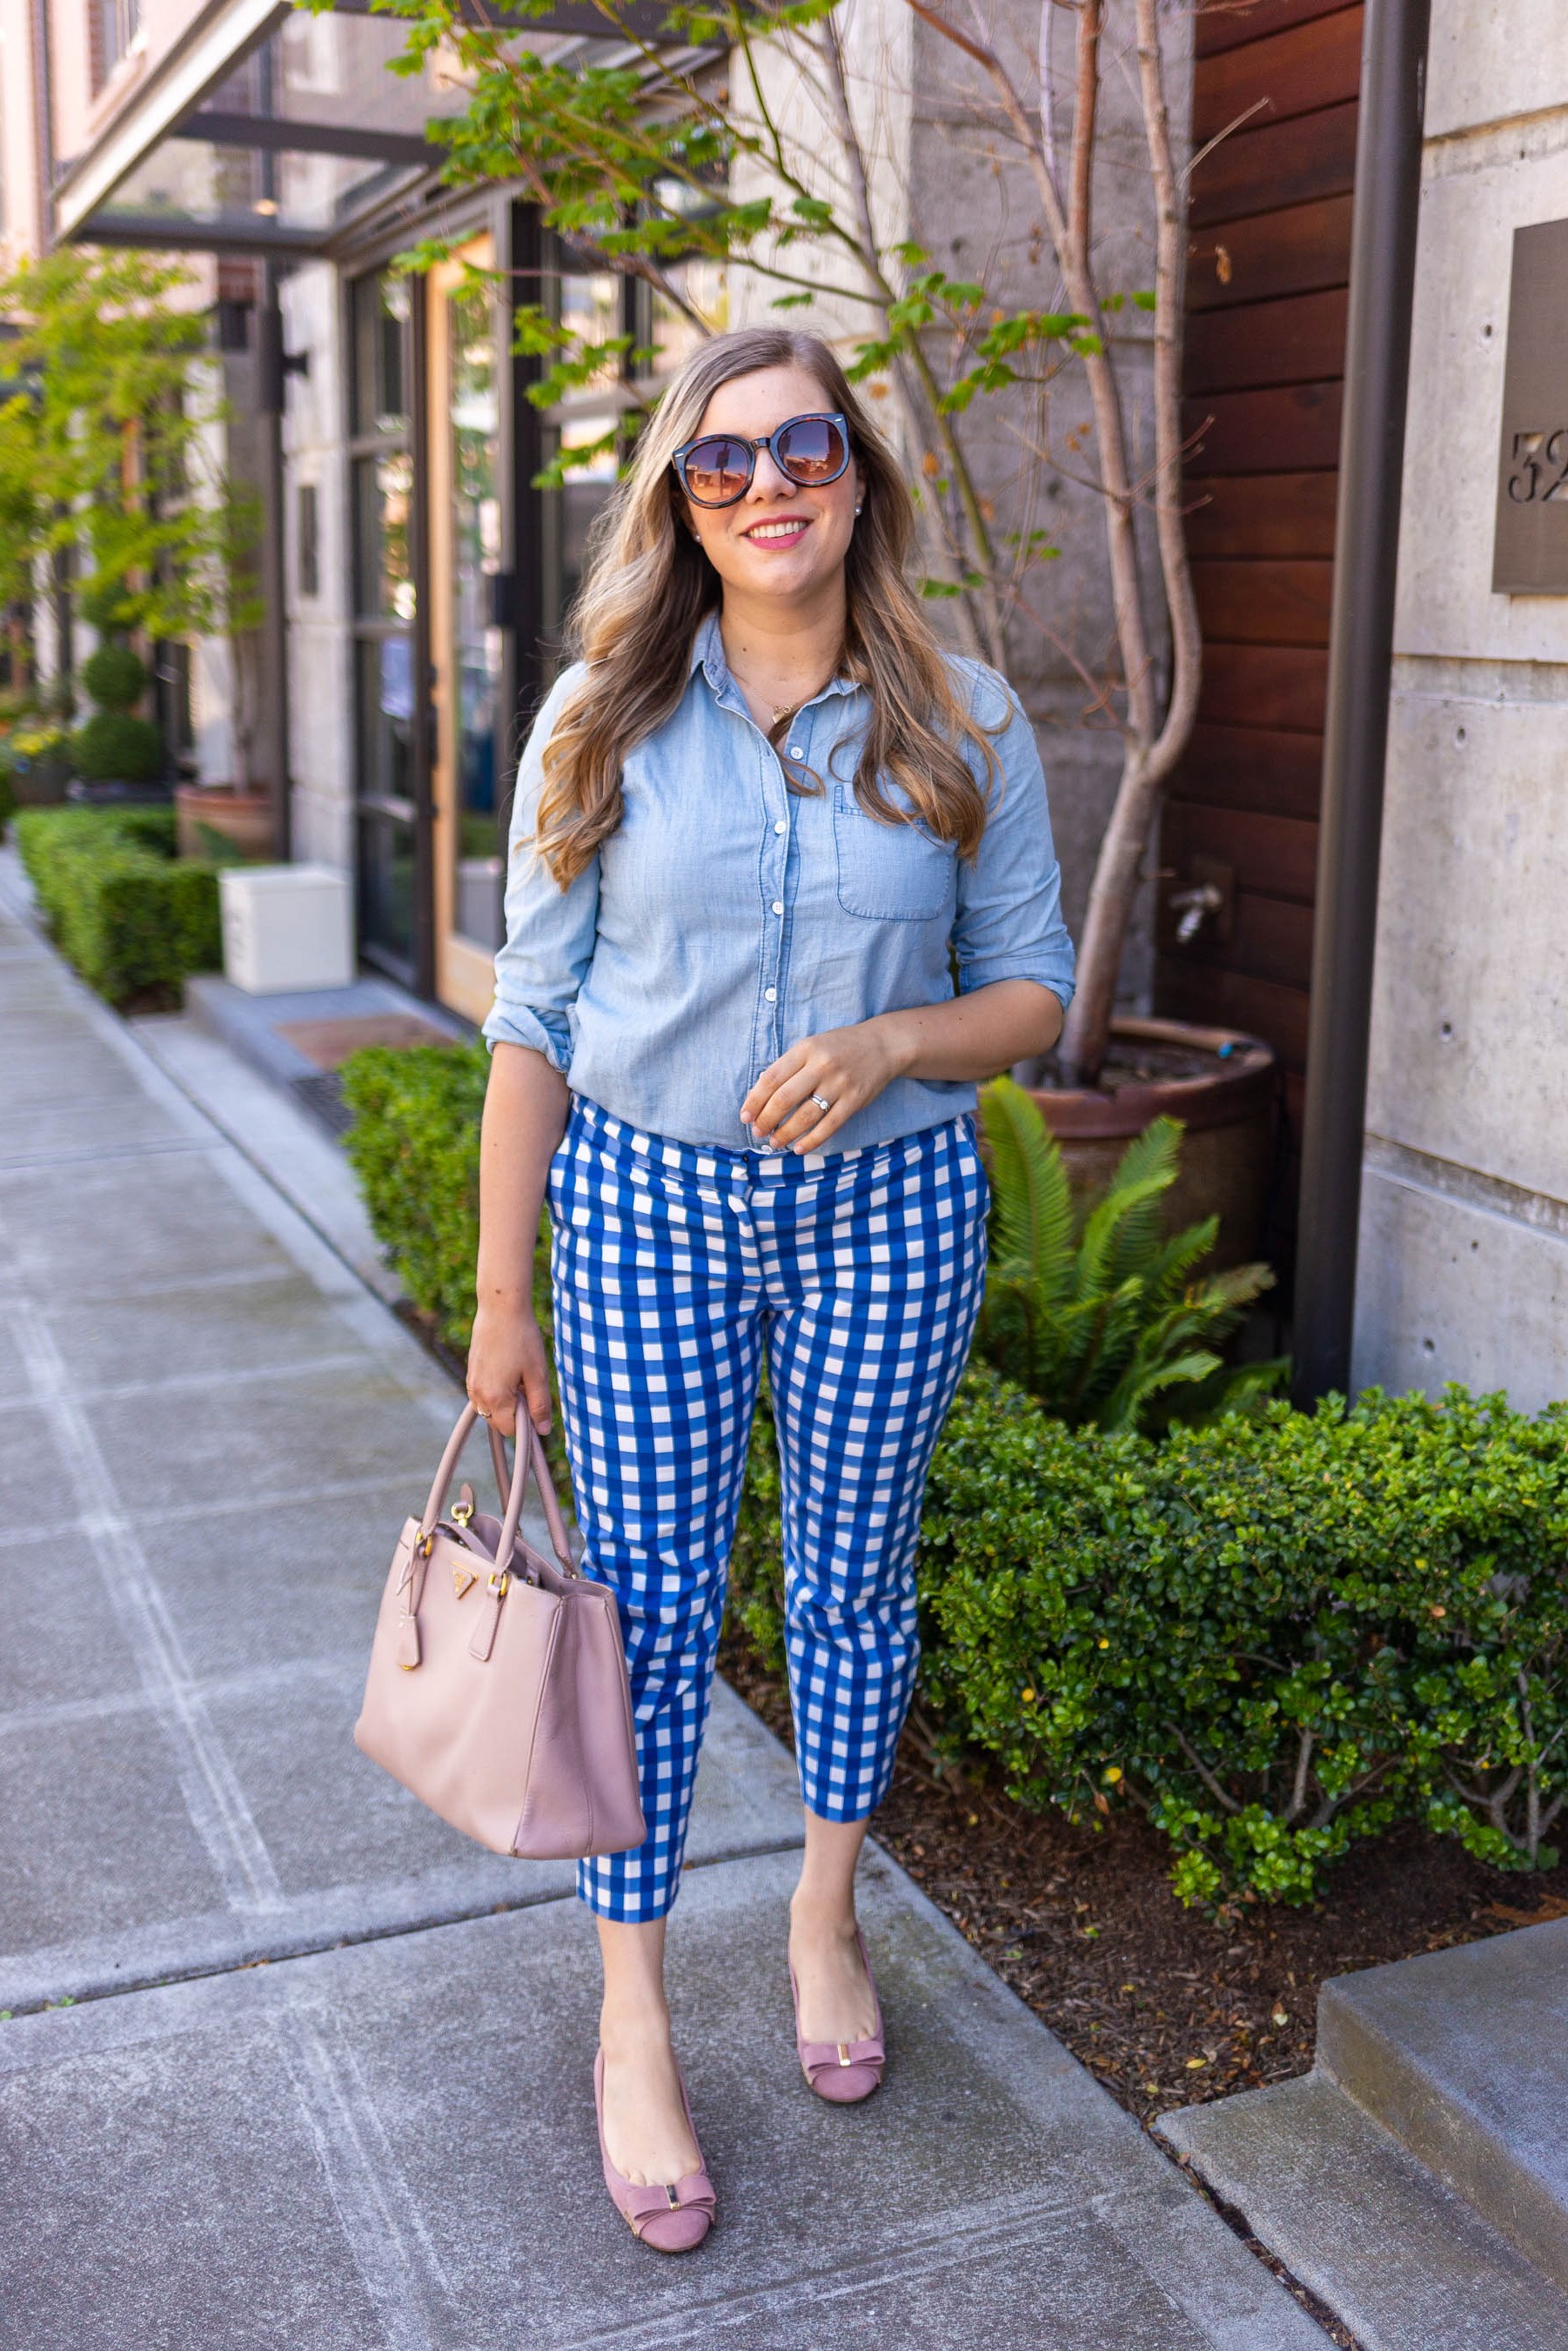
(324, 2079)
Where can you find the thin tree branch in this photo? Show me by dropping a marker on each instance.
(1045, 67)
(1150, 765)
(985, 621)
(1190, 166)
(1226, 1801)
(1303, 1765)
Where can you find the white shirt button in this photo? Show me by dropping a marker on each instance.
(779, 905)
(771, 993)
(781, 826)
(796, 752)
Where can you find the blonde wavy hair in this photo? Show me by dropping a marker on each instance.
(648, 586)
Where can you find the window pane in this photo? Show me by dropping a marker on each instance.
(382, 491)
(384, 691)
(380, 315)
(706, 287)
(187, 182)
(386, 886)
(590, 307)
(583, 499)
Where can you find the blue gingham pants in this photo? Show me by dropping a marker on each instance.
(673, 1265)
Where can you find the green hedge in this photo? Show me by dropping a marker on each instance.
(131, 916)
(414, 1147)
(1272, 1635)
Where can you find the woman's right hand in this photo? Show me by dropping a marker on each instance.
(506, 1353)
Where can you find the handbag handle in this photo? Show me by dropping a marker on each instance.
(528, 1455)
(559, 1540)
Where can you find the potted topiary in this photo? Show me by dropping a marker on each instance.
(117, 755)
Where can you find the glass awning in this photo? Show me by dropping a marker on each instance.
(271, 130)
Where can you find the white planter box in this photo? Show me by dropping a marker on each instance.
(286, 927)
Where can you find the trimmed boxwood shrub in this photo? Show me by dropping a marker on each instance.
(132, 917)
(1272, 1635)
(414, 1147)
(114, 745)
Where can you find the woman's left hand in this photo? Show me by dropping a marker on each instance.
(846, 1067)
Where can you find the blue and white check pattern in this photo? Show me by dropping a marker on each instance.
(675, 1265)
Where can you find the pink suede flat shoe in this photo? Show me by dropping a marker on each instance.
(672, 2219)
(842, 2072)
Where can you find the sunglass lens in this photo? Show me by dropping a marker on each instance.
(716, 470)
(811, 450)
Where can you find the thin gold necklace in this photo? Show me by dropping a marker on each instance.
(779, 715)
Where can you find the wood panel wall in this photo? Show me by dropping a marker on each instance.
(1267, 277)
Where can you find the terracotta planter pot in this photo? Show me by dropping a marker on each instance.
(242, 819)
(1227, 1103)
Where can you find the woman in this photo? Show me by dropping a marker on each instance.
(753, 824)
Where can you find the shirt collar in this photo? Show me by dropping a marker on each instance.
(707, 655)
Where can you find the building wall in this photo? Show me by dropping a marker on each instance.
(320, 656)
(21, 188)
(1464, 1251)
(86, 100)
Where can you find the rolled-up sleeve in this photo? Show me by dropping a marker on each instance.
(550, 932)
(1009, 923)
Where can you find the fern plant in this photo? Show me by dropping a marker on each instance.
(1095, 1309)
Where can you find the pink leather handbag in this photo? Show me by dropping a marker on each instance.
(497, 1689)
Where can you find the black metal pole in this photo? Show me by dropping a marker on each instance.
(1360, 653)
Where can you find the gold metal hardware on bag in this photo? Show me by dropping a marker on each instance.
(499, 1583)
(463, 1580)
(461, 1514)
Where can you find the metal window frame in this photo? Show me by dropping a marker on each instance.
(417, 970)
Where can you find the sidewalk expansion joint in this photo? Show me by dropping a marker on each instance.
(306, 1946)
(214, 1799)
(1334, 2327)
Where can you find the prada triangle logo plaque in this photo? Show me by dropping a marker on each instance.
(463, 1580)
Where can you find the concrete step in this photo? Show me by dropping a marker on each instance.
(295, 1039)
(1398, 2256)
(1433, 2124)
(1462, 2056)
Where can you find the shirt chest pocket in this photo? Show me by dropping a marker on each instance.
(889, 873)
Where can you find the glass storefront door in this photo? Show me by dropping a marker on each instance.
(469, 775)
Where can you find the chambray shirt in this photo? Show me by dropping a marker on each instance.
(728, 918)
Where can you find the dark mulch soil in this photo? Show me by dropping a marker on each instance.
(1165, 2006)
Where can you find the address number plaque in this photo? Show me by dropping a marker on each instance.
(1529, 554)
